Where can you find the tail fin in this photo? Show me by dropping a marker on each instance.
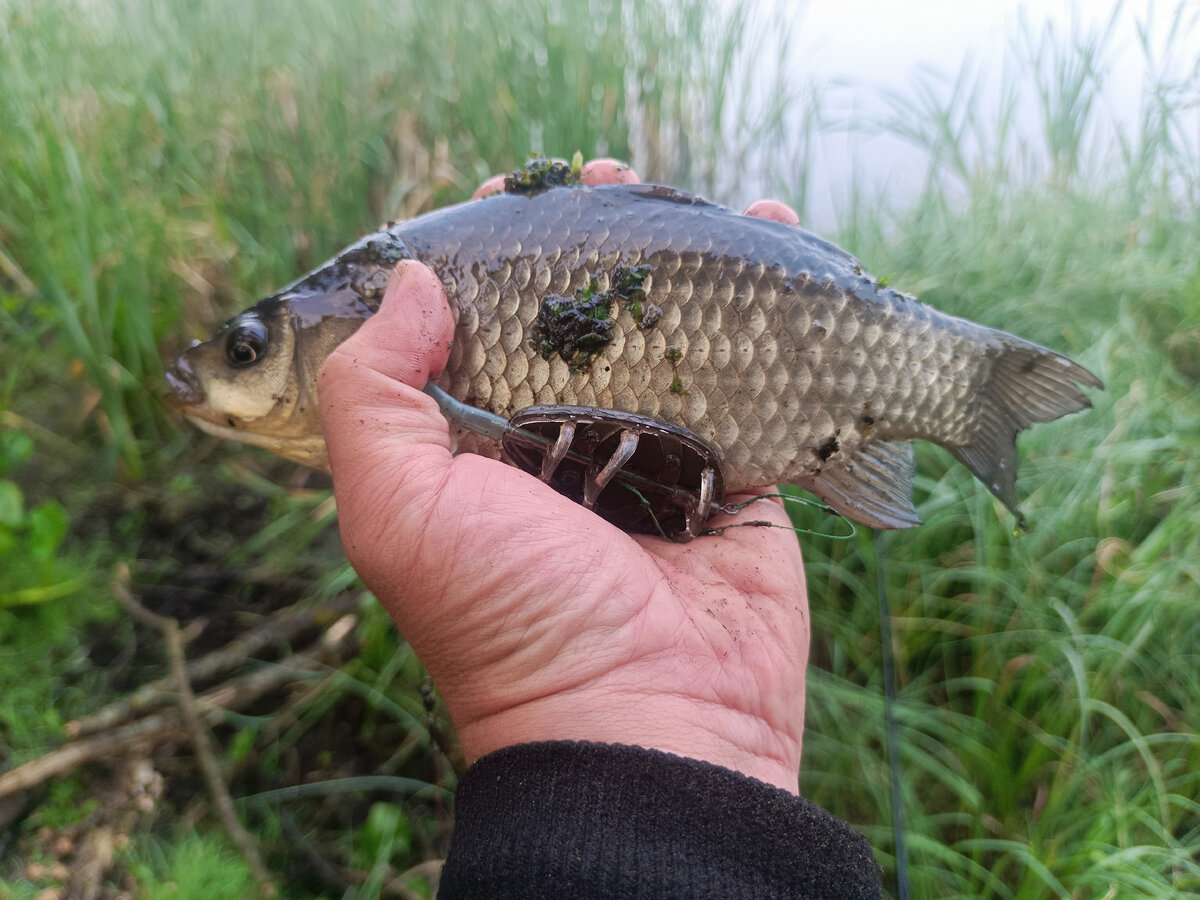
(1026, 384)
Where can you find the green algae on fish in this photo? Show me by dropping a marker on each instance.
(541, 172)
(574, 329)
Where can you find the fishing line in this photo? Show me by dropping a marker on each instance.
(650, 509)
(889, 660)
(889, 710)
(733, 508)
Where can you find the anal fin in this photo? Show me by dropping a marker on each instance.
(873, 485)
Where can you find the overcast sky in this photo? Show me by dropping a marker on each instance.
(878, 46)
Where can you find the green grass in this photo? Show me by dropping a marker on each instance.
(1051, 680)
(190, 867)
(161, 166)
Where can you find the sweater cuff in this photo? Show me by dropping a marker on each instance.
(571, 819)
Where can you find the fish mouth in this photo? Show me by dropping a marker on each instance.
(185, 388)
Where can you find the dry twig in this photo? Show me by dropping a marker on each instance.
(197, 732)
(136, 736)
(168, 724)
(192, 716)
(284, 625)
(93, 859)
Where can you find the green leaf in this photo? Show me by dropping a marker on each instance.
(32, 596)
(386, 832)
(242, 744)
(12, 504)
(15, 450)
(47, 528)
(8, 540)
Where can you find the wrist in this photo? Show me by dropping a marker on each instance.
(739, 740)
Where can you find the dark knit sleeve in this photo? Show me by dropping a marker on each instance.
(580, 820)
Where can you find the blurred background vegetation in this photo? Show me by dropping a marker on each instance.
(162, 165)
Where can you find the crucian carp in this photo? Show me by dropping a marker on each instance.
(635, 336)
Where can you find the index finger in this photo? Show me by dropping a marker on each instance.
(774, 211)
(607, 171)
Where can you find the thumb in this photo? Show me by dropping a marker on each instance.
(409, 339)
(385, 436)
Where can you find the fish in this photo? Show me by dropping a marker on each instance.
(768, 342)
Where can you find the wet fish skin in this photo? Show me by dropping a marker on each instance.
(770, 343)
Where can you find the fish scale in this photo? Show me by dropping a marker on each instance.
(770, 343)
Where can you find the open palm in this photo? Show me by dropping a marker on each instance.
(537, 619)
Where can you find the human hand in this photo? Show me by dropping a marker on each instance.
(537, 619)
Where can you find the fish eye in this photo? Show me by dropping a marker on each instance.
(247, 343)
